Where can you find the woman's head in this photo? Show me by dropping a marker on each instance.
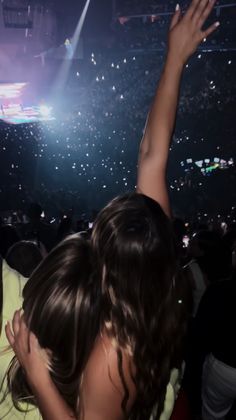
(24, 257)
(136, 254)
(135, 249)
(61, 309)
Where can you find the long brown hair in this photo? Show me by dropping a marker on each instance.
(133, 295)
(61, 307)
(135, 249)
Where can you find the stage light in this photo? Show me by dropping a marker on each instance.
(71, 44)
(45, 110)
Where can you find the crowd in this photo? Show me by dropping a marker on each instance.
(87, 155)
(134, 7)
(128, 312)
(143, 27)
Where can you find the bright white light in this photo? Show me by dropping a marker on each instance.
(11, 90)
(45, 110)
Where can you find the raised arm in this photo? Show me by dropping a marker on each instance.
(184, 37)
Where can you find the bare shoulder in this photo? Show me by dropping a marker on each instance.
(102, 388)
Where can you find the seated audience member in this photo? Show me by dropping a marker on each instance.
(8, 237)
(212, 360)
(65, 228)
(37, 229)
(211, 261)
(24, 257)
(125, 368)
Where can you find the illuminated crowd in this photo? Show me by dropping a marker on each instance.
(88, 153)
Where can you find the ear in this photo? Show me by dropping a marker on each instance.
(176, 17)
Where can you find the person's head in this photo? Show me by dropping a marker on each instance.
(24, 257)
(203, 243)
(213, 257)
(65, 228)
(34, 212)
(61, 308)
(8, 237)
(135, 251)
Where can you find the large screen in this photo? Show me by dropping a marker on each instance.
(10, 91)
(15, 107)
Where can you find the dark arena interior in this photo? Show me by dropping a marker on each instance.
(77, 80)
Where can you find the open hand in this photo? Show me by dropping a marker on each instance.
(30, 355)
(186, 32)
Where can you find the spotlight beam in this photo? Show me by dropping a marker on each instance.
(66, 65)
(79, 27)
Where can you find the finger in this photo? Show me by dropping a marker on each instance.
(200, 10)
(191, 9)
(211, 29)
(9, 335)
(33, 342)
(16, 322)
(176, 17)
(206, 13)
(24, 336)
